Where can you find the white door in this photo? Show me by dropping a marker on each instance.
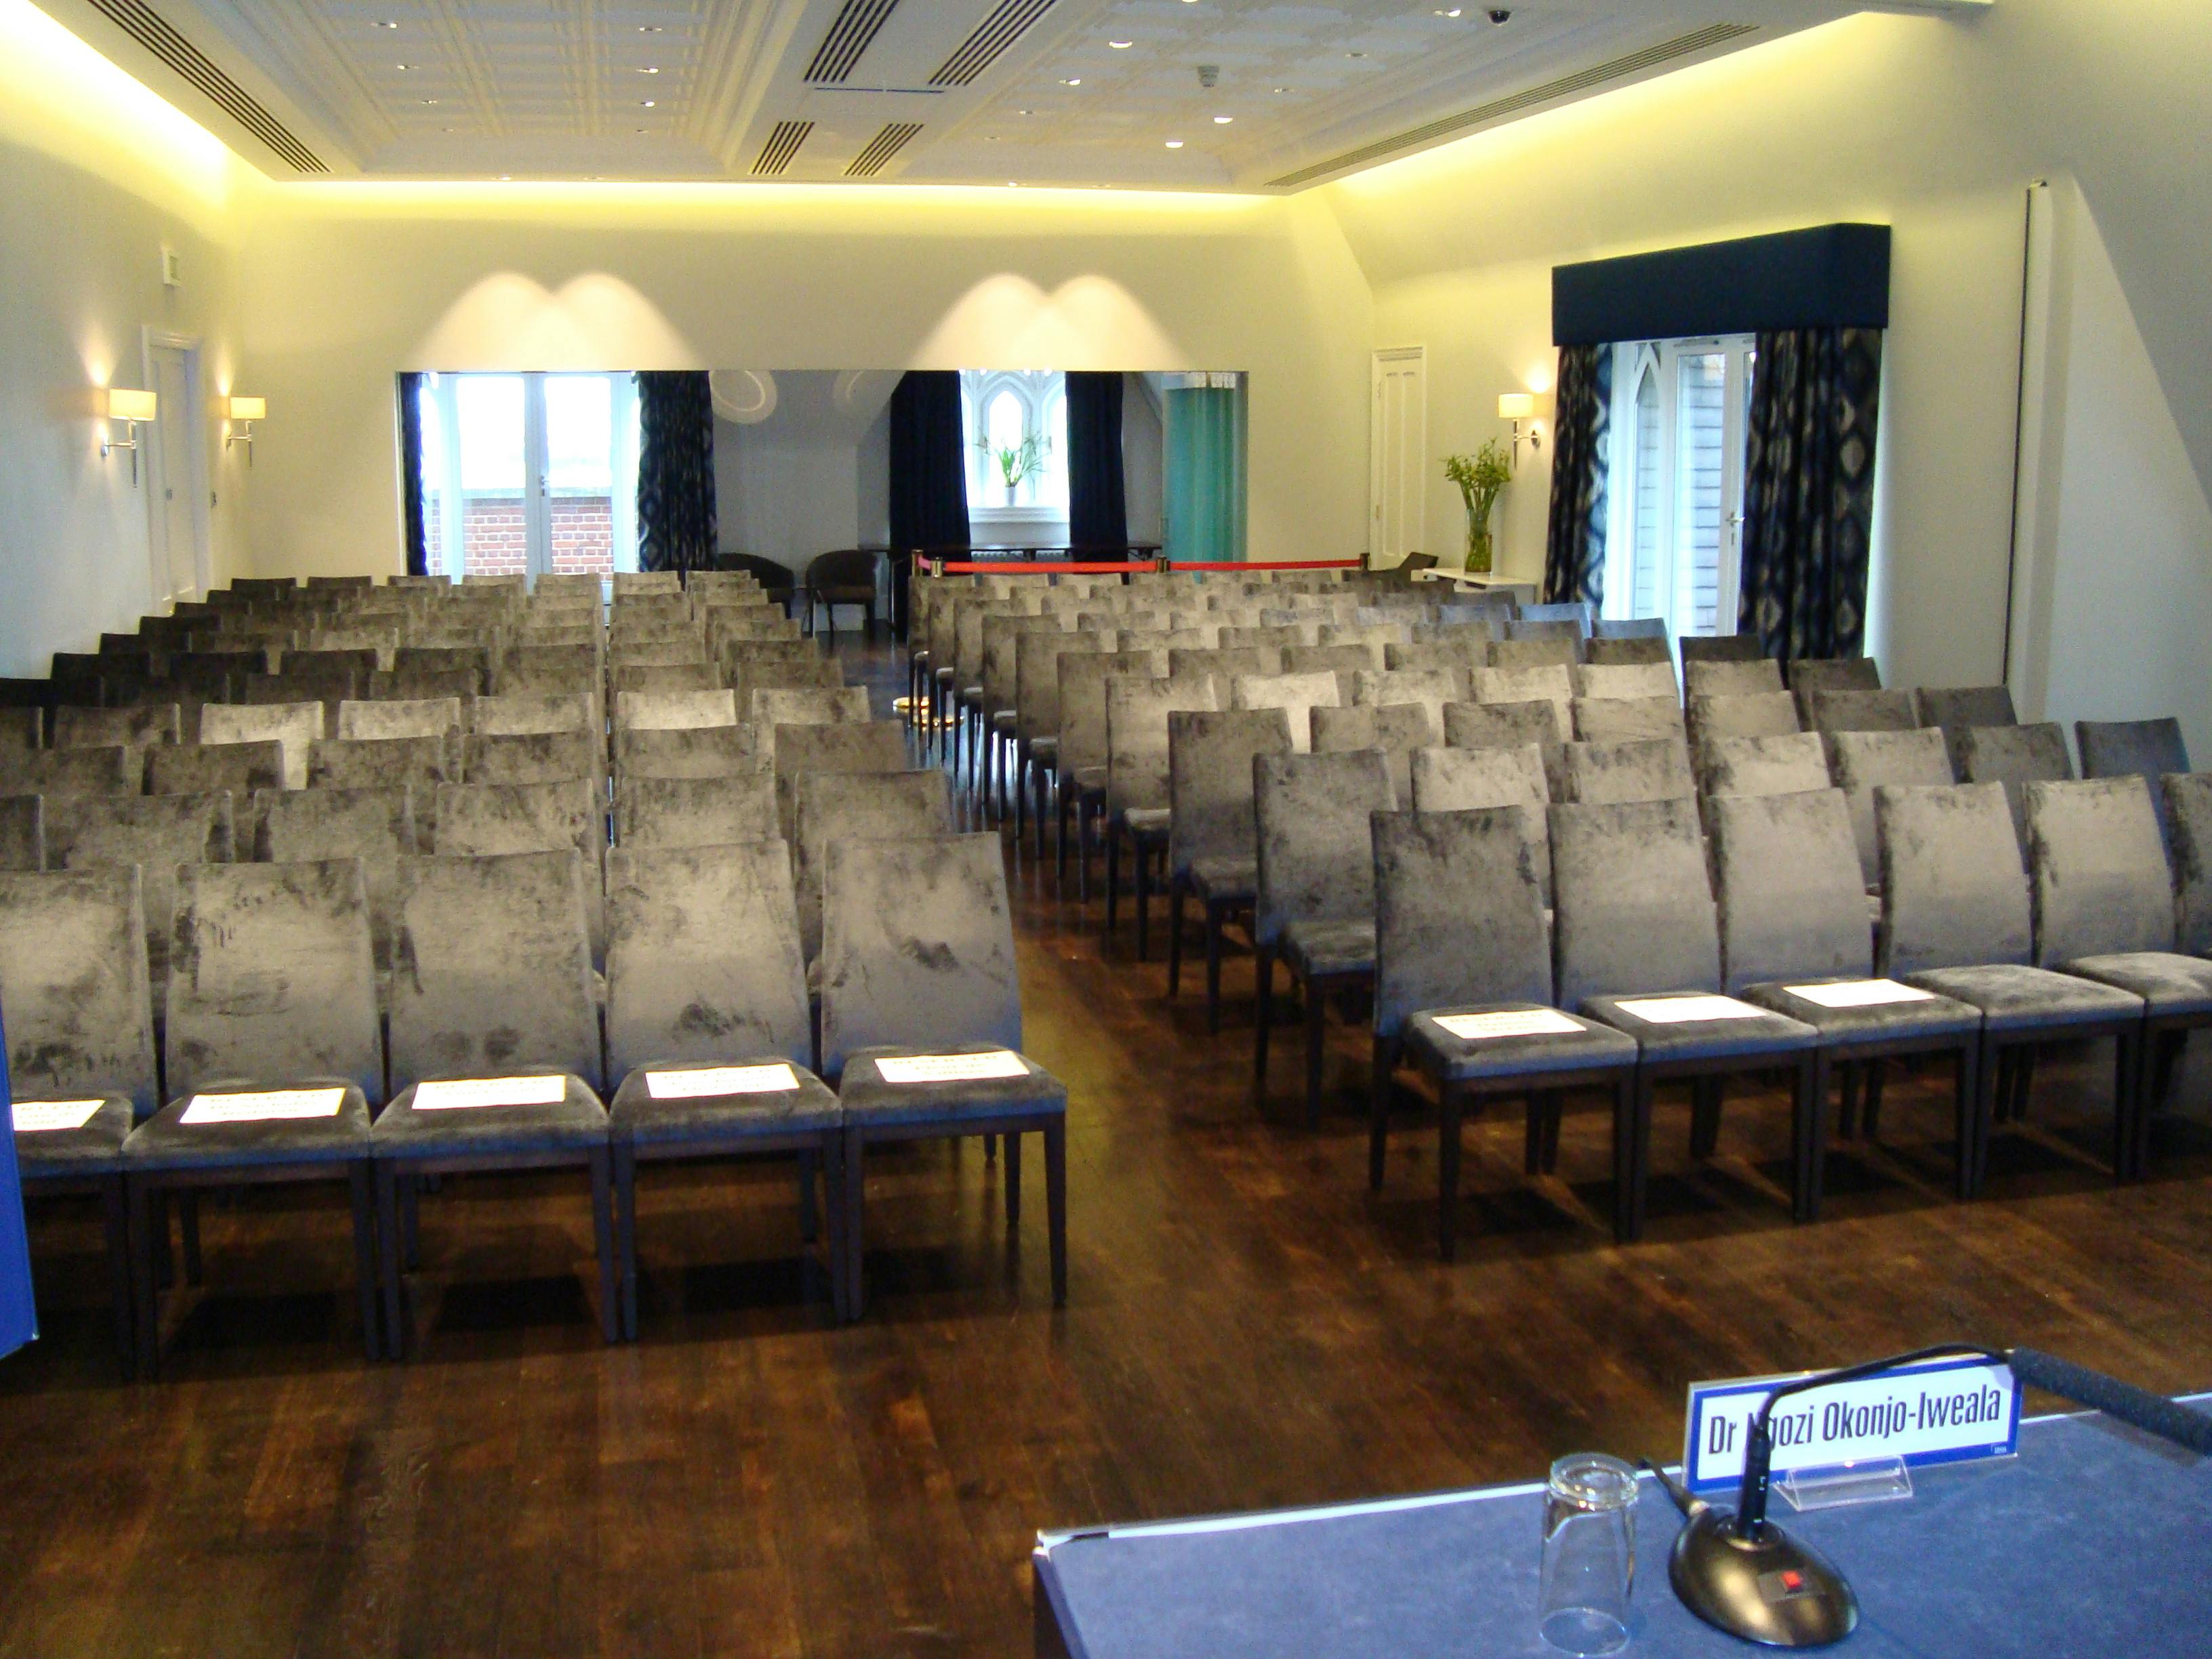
(178, 526)
(1397, 449)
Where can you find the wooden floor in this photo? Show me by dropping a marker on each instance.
(1248, 1327)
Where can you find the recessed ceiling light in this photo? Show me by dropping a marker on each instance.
(1025, 111)
(650, 68)
(1120, 45)
(1454, 12)
(639, 131)
(429, 100)
(1012, 185)
(645, 103)
(648, 28)
(399, 66)
(505, 178)
(990, 137)
(1223, 120)
(1072, 80)
(1355, 54)
(388, 24)
(1175, 144)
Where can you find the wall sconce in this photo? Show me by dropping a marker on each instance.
(244, 412)
(132, 408)
(1517, 407)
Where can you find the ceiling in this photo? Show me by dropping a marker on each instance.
(990, 92)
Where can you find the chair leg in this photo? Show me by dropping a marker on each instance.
(1316, 1021)
(1263, 972)
(1447, 1154)
(2166, 1061)
(1022, 767)
(1144, 856)
(854, 1149)
(1013, 1180)
(1084, 819)
(2023, 1080)
(1113, 873)
(1037, 775)
(1214, 919)
(1809, 1136)
(1174, 936)
(146, 1307)
(1877, 1074)
(2128, 1071)
(626, 1234)
(115, 1213)
(809, 1224)
(602, 1236)
(188, 1218)
(1847, 1114)
(1055, 1205)
(1704, 1116)
(1060, 840)
(1632, 1154)
(833, 1157)
(362, 1188)
(387, 1234)
(1382, 1068)
(1975, 1119)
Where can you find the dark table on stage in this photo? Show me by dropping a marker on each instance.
(2095, 1540)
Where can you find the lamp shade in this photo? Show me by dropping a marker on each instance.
(125, 404)
(1517, 406)
(249, 409)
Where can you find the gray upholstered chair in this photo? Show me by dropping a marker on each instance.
(234, 768)
(376, 826)
(1636, 931)
(1753, 714)
(2188, 827)
(1037, 715)
(23, 731)
(1433, 689)
(1212, 852)
(1461, 935)
(2016, 757)
(1462, 657)
(709, 1040)
(2150, 749)
(1626, 719)
(1315, 908)
(1469, 780)
(1794, 938)
(845, 746)
(1722, 647)
(1575, 612)
(2104, 910)
(1656, 769)
(488, 820)
(1550, 684)
(1810, 676)
(157, 833)
(79, 1027)
(1956, 919)
(1769, 766)
(859, 806)
(494, 983)
(633, 675)
(1395, 728)
(918, 961)
(1296, 695)
(272, 988)
(1509, 725)
(115, 770)
(515, 714)
(701, 751)
(674, 711)
(1729, 677)
(1001, 713)
(1864, 762)
(459, 685)
(1623, 651)
(1550, 649)
(295, 726)
(530, 757)
(1956, 710)
(1861, 711)
(694, 811)
(1629, 628)
(141, 726)
(1137, 794)
(1083, 749)
(417, 763)
(1347, 660)
(22, 832)
(772, 706)
(1617, 680)
(403, 717)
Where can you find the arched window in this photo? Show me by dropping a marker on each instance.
(1016, 430)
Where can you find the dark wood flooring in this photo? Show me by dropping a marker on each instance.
(1248, 1327)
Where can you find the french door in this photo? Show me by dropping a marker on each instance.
(530, 474)
(1681, 415)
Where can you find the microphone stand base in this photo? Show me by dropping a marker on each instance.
(1768, 1588)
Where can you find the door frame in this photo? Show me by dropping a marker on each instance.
(1418, 444)
(159, 564)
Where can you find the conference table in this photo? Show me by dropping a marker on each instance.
(2095, 1540)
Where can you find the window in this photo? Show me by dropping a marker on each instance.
(1676, 481)
(1017, 421)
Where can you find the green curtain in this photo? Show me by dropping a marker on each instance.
(1204, 493)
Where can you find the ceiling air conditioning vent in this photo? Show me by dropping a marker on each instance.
(1514, 103)
(848, 37)
(782, 144)
(1008, 22)
(150, 30)
(890, 142)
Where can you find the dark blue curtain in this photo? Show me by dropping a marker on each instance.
(1574, 551)
(676, 528)
(929, 475)
(1808, 491)
(1097, 497)
(410, 475)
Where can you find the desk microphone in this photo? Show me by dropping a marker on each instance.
(1742, 1573)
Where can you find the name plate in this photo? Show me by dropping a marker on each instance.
(264, 1106)
(1860, 993)
(1683, 1011)
(721, 1080)
(34, 1117)
(1947, 1411)
(1522, 1022)
(471, 1093)
(950, 1069)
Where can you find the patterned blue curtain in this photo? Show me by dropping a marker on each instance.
(1808, 491)
(410, 475)
(1574, 553)
(676, 528)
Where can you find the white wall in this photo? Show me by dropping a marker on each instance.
(95, 177)
(792, 486)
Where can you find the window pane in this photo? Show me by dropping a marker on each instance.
(1644, 597)
(578, 432)
(490, 407)
(1699, 467)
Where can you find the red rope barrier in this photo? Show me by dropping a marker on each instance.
(1044, 567)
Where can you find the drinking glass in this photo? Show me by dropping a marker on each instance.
(1589, 1553)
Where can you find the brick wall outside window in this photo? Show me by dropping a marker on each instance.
(494, 543)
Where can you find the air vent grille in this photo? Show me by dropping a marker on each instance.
(150, 30)
(782, 144)
(1006, 24)
(1514, 103)
(890, 142)
(848, 37)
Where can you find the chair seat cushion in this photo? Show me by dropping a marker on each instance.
(165, 1141)
(2011, 996)
(869, 1101)
(1146, 824)
(574, 1122)
(919, 657)
(94, 1149)
(1936, 1019)
(1224, 881)
(635, 1116)
(1091, 780)
(972, 695)
(1002, 719)
(2171, 983)
(1743, 1038)
(1323, 948)
(1451, 1059)
(1045, 751)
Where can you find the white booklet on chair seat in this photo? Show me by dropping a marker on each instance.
(950, 1069)
(42, 1116)
(1860, 993)
(1509, 1023)
(471, 1092)
(1683, 1011)
(701, 1081)
(264, 1106)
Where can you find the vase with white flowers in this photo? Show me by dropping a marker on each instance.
(1480, 478)
(1017, 463)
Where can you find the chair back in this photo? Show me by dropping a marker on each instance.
(157, 833)
(1768, 766)
(1550, 649)
(2016, 756)
(1449, 780)
(2188, 827)
(1633, 904)
(22, 832)
(1953, 891)
(701, 751)
(917, 947)
(1862, 763)
(399, 717)
(710, 811)
(2150, 749)
(1861, 711)
(530, 757)
(836, 806)
(1650, 680)
(376, 826)
(1311, 817)
(1210, 798)
(1137, 711)
(73, 978)
(1955, 710)
(673, 711)
(1459, 912)
(1296, 695)
(1654, 769)
(1786, 875)
(519, 714)
(847, 746)
(294, 727)
(1729, 677)
(2102, 885)
(818, 705)
(1619, 720)
(142, 726)
(419, 763)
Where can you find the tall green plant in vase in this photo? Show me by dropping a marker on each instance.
(1480, 478)
(1017, 463)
